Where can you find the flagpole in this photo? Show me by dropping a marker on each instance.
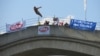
(85, 15)
(85, 9)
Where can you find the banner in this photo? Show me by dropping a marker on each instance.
(43, 30)
(82, 25)
(15, 27)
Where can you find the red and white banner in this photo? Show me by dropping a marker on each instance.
(43, 30)
(15, 27)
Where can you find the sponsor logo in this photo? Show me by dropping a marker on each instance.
(16, 26)
(43, 29)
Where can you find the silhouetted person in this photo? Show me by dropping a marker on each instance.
(36, 11)
(56, 21)
(66, 25)
(46, 23)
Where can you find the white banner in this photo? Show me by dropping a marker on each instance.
(15, 26)
(43, 30)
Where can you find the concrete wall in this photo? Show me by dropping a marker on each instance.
(70, 40)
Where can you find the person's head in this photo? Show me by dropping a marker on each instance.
(34, 6)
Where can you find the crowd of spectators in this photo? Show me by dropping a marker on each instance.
(56, 22)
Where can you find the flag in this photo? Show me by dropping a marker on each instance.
(15, 27)
(85, 5)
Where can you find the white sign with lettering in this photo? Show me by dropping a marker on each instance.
(44, 30)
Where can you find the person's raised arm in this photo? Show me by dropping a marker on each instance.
(39, 7)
